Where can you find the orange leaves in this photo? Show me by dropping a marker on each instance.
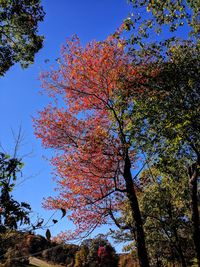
(85, 127)
(87, 76)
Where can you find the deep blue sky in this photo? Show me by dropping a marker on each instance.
(19, 98)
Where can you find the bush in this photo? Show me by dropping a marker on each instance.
(87, 256)
(81, 257)
(61, 254)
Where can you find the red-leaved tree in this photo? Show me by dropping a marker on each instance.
(88, 125)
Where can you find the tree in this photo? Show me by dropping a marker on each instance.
(170, 128)
(81, 257)
(150, 17)
(12, 212)
(165, 205)
(19, 39)
(91, 134)
(176, 90)
(88, 254)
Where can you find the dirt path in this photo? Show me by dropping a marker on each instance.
(40, 263)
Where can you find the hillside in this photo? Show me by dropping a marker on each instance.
(20, 249)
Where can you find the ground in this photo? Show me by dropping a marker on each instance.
(40, 263)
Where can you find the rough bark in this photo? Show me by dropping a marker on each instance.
(131, 194)
(193, 177)
(178, 246)
(179, 249)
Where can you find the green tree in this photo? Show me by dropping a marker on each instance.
(19, 39)
(170, 106)
(12, 213)
(164, 204)
(88, 254)
(81, 257)
(167, 118)
(163, 16)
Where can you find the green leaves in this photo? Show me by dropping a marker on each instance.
(19, 39)
(167, 17)
(14, 213)
(9, 167)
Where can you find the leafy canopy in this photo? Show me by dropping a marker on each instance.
(19, 39)
(164, 16)
(89, 131)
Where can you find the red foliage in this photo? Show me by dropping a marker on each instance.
(86, 126)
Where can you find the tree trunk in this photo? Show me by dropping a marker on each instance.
(193, 177)
(140, 238)
(179, 248)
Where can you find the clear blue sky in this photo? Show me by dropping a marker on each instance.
(19, 98)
